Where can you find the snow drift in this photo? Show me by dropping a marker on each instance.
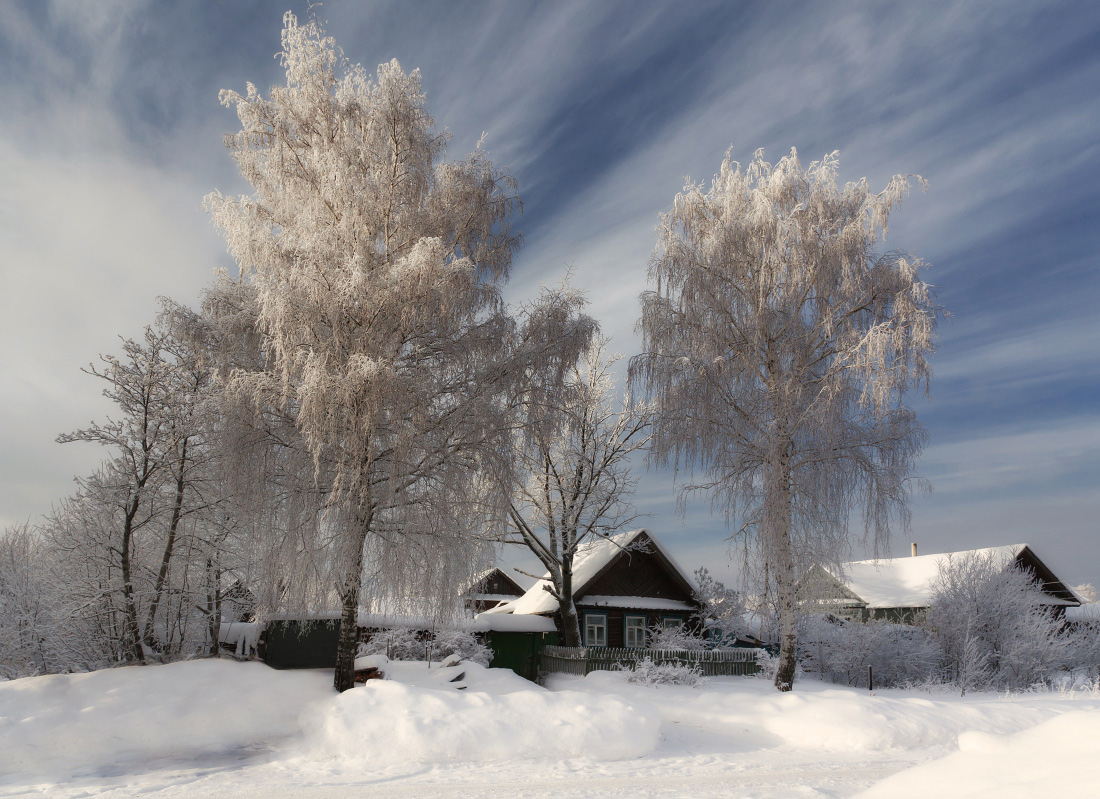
(71, 724)
(420, 717)
(1061, 755)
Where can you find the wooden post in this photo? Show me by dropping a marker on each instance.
(870, 679)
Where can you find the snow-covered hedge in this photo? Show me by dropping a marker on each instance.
(996, 627)
(841, 651)
(647, 672)
(401, 643)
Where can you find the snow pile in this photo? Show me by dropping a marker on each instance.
(73, 724)
(419, 717)
(229, 729)
(1060, 755)
(819, 716)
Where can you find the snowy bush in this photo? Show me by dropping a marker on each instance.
(723, 608)
(462, 644)
(401, 643)
(995, 626)
(398, 643)
(841, 651)
(767, 665)
(647, 672)
(674, 638)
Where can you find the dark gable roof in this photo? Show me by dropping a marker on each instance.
(1051, 584)
(644, 538)
(496, 582)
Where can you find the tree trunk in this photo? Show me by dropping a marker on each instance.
(788, 634)
(213, 608)
(779, 522)
(344, 678)
(131, 634)
(162, 575)
(570, 624)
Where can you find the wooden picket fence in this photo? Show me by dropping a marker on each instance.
(711, 662)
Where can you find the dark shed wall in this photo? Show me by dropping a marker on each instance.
(297, 644)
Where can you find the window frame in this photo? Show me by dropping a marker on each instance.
(593, 616)
(677, 622)
(626, 630)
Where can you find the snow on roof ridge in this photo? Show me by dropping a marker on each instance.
(1016, 549)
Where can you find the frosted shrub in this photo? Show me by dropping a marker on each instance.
(402, 643)
(399, 643)
(723, 608)
(674, 638)
(767, 665)
(1084, 649)
(464, 644)
(841, 651)
(647, 672)
(994, 625)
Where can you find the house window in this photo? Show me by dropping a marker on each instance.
(672, 622)
(595, 629)
(634, 631)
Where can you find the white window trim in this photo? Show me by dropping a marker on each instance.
(640, 628)
(668, 622)
(603, 624)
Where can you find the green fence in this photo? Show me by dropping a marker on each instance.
(711, 662)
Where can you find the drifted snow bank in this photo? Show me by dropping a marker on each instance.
(417, 716)
(1059, 756)
(70, 724)
(819, 715)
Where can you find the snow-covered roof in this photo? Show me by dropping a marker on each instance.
(907, 582)
(502, 622)
(591, 559)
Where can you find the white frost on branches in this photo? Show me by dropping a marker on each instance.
(778, 344)
(377, 268)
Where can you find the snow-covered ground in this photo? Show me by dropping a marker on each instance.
(228, 729)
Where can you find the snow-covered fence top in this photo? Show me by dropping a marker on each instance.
(711, 662)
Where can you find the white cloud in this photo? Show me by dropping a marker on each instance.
(87, 243)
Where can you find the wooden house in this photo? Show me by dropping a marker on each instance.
(900, 589)
(624, 585)
(491, 588)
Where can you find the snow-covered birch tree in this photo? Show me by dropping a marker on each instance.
(778, 344)
(571, 478)
(377, 266)
(143, 441)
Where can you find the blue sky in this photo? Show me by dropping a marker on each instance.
(110, 135)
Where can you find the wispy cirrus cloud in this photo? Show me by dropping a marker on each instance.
(112, 134)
